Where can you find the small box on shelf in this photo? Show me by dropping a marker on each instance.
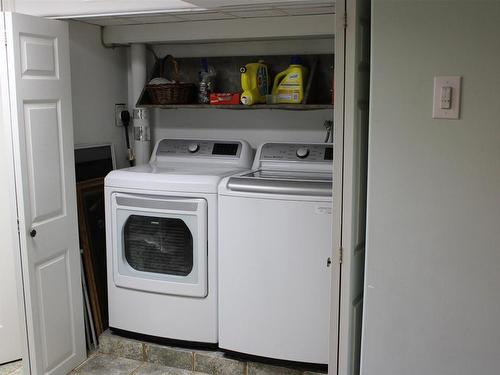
(225, 98)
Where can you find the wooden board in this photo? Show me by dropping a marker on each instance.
(90, 197)
(280, 107)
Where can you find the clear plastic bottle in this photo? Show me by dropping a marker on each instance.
(206, 83)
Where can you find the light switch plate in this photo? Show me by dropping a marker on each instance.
(439, 110)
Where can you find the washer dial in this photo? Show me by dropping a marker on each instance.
(302, 152)
(193, 147)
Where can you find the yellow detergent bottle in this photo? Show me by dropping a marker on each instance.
(289, 84)
(255, 83)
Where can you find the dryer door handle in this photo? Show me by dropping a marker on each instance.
(285, 187)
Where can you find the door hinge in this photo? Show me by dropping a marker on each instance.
(340, 254)
(18, 230)
(345, 20)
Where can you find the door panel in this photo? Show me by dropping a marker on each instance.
(40, 91)
(55, 312)
(38, 57)
(44, 160)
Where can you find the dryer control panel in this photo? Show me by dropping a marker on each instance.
(200, 148)
(297, 152)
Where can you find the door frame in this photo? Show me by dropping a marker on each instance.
(350, 175)
(338, 185)
(7, 143)
(7, 5)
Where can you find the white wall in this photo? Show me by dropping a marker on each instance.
(432, 301)
(255, 126)
(10, 315)
(98, 80)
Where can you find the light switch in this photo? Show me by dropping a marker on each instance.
(447, 97)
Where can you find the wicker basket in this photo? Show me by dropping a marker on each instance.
(170, 93)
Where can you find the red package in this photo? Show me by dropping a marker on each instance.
(225, 98)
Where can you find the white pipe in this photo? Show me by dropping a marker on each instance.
(142, 136)
(138, 68)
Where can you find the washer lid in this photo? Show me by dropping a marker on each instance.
(273, 174)
(283, 182)
(288, 169)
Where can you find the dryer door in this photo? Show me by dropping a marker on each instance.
(160, 244)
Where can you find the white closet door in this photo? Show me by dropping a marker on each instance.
(42, 131)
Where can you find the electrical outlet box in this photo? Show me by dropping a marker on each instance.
(118, 110)
(447, 97)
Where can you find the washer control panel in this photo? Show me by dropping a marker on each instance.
(203, 148)
(315, 152)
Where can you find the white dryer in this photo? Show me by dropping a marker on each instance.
(275, 244)
(161, 233)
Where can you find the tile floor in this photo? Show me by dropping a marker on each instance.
(101, 364)
(123, 356)
(13, 368)
(203, 361)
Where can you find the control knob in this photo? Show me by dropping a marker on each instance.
(302, 152)
(193, 147)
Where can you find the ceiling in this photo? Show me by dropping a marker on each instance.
(205, 10)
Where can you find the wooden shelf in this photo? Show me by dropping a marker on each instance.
(229, 80)
(283, 107)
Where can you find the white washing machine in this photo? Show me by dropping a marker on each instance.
(161, 233)
(275, 244)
